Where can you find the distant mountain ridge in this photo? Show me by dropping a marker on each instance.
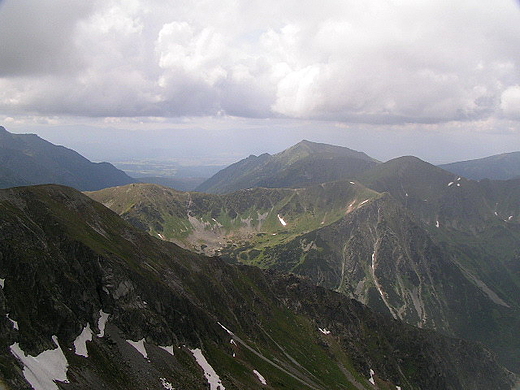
(503, 166)
(303, 164)
(27, 159)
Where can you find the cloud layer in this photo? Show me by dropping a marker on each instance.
(376, 61)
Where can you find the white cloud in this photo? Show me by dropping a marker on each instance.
(510, 102)
(374, 61)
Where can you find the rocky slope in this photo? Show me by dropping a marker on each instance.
(27, 159)
(112, 307)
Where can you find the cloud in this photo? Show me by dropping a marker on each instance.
(376, 61)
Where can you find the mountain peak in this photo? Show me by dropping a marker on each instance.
(305, 148)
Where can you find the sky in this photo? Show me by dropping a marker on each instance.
(212, 82)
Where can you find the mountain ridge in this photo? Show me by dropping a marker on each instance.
(504, 166)
(303, 164)
(27, 159)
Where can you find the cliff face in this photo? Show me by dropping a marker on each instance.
(119, 309)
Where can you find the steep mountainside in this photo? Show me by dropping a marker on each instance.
(301, 165)
(27, 159)
(89, 302)
(499, 167)
(437, 251)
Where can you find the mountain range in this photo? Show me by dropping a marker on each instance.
(404, 237)
(327, 269)
(88, 301)
(27, 159)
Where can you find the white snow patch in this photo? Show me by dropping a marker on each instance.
(139, 345)
(458, 184)
(437, 224)
(2, 283)
(510, 218)
(167, 385)
(282, 221)
(103, 318)
(15, 324)
(398, 388)
(362, 203)
(406, 194)
(234, 354)
(80, 344)
(161, 236)
(458, 178)
(41, 371)
(233, 342)
(450, 183)
(260, 377)
(210, 374)
(371, 380)
(324, 330)
(167, 348)
(352, 182)
(496, 213)
(226, 329)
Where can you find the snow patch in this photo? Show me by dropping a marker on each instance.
(226, 329)
(2, 283)
(260, 377)
(371, 380)
(233, 342)
(168, 348)
(437, 224)
(510, 218)
(458, 184)
(102, 322)
(352, 182)
(15, 324)
(324, 330)
(41, 371)
(167, 385)
(139, 345)
(80, 344)
(362, 203)
(398, 388)
(282, 221)
(450, 183)
(210, 374)
(496, 213)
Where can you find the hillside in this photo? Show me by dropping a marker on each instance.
(503, 166)
(115, 308)
(303, 164)
(27, 159)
